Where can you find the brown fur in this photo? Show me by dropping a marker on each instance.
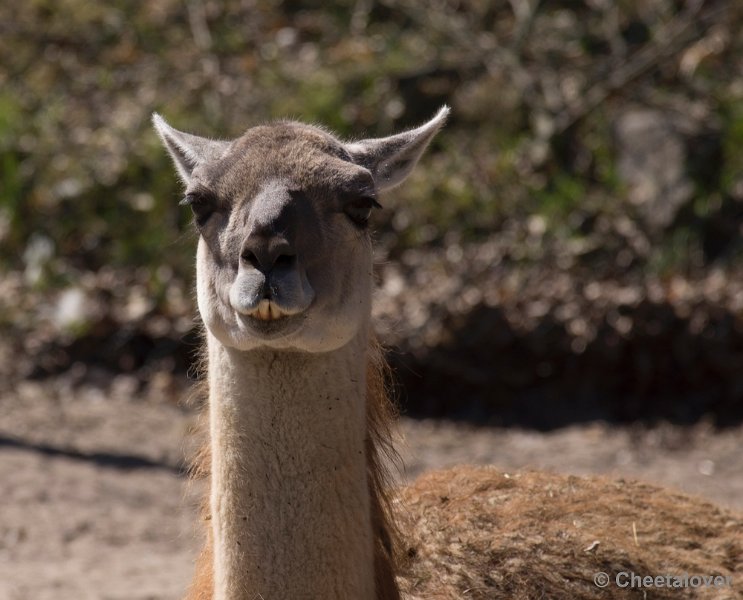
(380, 453)
(478, 533)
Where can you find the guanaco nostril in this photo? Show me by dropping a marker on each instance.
(250, 258)
(285, 260)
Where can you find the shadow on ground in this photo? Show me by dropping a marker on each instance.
(109, 460)
(668, 368)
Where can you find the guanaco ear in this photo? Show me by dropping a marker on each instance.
(392, 159)
(188, 151)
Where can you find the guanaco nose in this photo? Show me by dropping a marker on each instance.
(271, 230)
(267, 252)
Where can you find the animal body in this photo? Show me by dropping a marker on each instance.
(299, 423)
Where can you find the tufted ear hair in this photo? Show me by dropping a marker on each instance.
(187, 151)
(392, 159)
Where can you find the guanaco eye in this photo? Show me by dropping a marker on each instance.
(359, 209)
(203, 206)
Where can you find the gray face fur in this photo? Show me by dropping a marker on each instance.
(284, 258)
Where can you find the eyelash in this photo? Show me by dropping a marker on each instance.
(359, 210)
(202, 206)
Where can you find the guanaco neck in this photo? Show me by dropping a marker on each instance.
(290, 503)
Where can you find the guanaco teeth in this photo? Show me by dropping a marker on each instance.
(267, 311)
(274, 311)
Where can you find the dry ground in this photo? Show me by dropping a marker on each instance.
(95, 505)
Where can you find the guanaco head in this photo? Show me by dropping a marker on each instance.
(284, 258)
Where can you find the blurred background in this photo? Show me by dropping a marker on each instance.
(560, 283)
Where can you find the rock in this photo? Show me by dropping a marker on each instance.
(72, 309)
(652, 164)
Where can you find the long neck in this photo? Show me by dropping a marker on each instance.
(290, 503)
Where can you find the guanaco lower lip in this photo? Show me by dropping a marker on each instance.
(267, 311)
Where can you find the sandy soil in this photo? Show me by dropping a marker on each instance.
(95, 504)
